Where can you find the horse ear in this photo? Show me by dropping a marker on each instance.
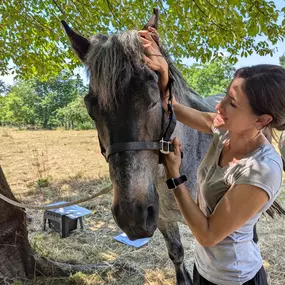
(153, 22)
(79, 44)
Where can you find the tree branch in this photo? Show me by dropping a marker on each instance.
(111, 10)
(257, 8)
(55, 3)
(217, 25)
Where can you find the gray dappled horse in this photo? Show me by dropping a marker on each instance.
(125, 102)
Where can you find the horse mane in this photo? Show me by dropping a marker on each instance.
(112, 61)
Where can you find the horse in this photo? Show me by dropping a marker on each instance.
(125, 102)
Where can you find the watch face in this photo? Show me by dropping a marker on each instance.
(170, 183)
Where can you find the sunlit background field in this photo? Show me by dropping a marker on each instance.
(49, 166)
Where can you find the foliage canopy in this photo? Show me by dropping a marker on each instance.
(32, 38)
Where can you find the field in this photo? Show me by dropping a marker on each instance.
(48, 166)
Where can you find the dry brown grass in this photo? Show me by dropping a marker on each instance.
(75, 168)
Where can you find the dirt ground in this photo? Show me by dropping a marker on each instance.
(68, 165)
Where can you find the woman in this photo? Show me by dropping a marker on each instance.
(240, 176)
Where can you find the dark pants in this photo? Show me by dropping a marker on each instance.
(258, 279)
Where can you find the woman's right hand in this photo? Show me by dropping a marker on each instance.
(172, 161)
(154, 59)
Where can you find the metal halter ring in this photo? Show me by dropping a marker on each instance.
(165, 146)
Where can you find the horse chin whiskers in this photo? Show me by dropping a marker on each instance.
(137, 234)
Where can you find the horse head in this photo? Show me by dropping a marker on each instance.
(125, 102)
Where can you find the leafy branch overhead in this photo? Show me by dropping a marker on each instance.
(32, 38)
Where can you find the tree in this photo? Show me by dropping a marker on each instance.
(34, 102)
(282, 60)
(74, 116)
(209, 79)
(18, 106)
(55, 94)
(196, 29)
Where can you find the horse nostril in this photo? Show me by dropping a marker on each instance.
(150, 216)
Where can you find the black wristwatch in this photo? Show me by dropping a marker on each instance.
(172, 183)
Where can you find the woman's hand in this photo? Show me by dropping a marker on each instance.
(172, 161)
(154, 59)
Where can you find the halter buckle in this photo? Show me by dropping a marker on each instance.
(165, 146)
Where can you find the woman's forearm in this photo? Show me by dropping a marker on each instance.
(194, 217)
(201, 121)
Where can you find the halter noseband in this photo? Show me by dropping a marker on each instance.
(164, 145)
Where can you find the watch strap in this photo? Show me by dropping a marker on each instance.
(172, 183)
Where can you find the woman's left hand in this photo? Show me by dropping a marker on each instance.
(172, 161)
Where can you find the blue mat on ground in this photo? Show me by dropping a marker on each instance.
(136, 243)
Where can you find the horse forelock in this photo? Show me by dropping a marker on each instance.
(111, 62)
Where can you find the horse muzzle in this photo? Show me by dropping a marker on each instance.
(137, 219)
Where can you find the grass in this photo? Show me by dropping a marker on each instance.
(74, 167)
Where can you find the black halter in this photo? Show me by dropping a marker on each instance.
(164, 145)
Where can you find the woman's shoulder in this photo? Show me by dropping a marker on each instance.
(267, 154)
(263, 169)
(264, 160)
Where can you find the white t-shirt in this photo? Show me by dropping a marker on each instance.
(236, 259)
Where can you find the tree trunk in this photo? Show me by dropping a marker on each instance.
(15, 251)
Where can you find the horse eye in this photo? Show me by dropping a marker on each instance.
(153, 104)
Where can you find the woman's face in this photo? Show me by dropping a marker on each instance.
(234, 112)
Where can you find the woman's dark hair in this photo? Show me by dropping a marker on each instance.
(264, 86)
